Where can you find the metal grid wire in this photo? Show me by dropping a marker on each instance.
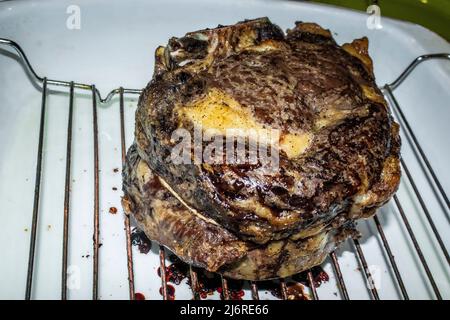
(387, 89)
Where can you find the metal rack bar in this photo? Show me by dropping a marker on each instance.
(394, 84)
(67, 198)
(225, 291)
(366, 270)
(37, 189)
(162, 272)
(413, 184)
(62, 83)
(417, 247)
(254, 290)
(126, 216)
(341, 282)
(416, 146)
(312, 285)
(387, 247)
(425, 210)
(96, 235)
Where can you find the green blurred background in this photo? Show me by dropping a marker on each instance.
(432, 14)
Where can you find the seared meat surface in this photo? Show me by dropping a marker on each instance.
(204, 244)
(338, 147)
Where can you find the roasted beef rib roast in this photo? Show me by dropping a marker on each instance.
(337, 148)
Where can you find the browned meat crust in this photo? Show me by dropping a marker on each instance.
(203, 244)
(339, 147)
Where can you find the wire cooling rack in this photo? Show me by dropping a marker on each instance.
(388, 90)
